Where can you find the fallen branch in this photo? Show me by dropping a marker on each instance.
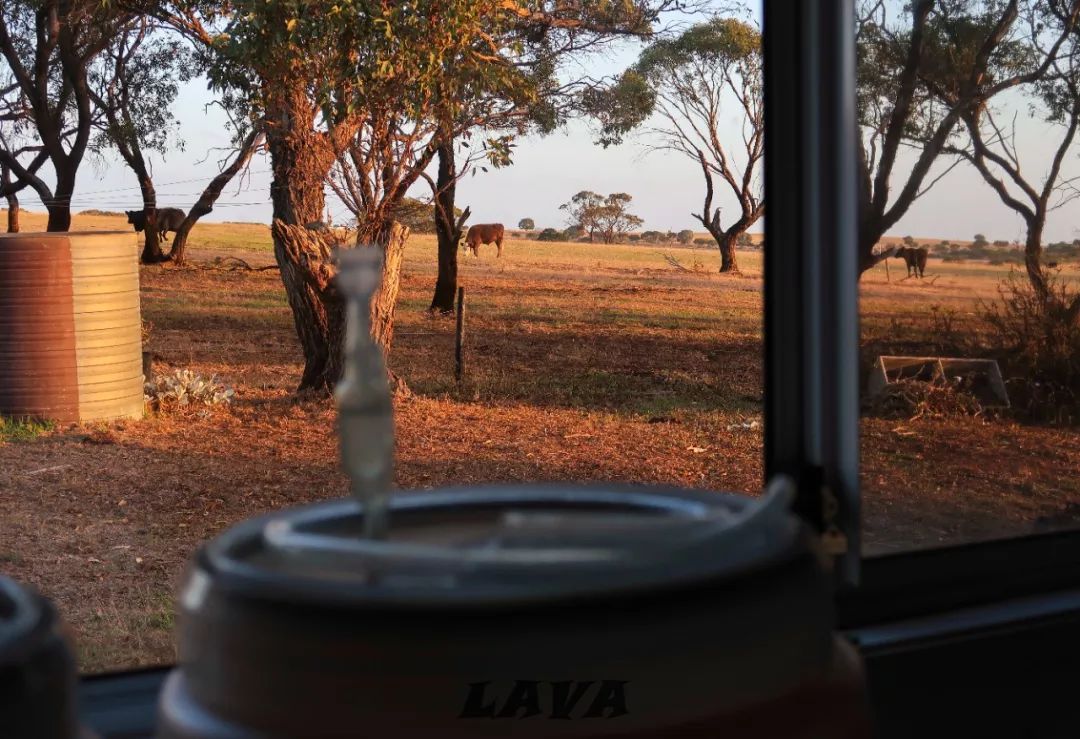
(238, 264)
(674, 263)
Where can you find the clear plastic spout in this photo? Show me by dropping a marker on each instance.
(365, 408)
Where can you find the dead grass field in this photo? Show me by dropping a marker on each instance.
(584, 362)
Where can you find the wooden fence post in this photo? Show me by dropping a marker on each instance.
(459, 353)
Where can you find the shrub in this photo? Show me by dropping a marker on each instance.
(1037, 339)
(744, 239)
(185, 388)
(980, 240)
(703, 242)
(686, 236)
(96, 212)
(1001, 242)
(23, 429)
(549, 234)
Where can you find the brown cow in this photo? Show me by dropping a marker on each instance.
(484, 233)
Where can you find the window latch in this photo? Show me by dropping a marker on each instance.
(833, 539)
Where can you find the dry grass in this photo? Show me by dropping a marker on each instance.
(585, 363)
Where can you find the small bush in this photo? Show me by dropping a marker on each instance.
(185, 388)
(549, 234)
(1001, 242)
(703, 242)
(1037, 340)
(686, 236)
(910, 399)
(96, 212)
(23, 429)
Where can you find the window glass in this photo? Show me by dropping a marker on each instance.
(970, 289)
(612, 320)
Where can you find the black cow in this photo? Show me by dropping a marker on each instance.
(914, 258)
(168, 219)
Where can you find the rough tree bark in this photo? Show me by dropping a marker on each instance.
(301, 159)
(13, 213)
(310, 253)
(447, 231)
(1033, 255)
(152, 253)
(206, 201)
(12, 199)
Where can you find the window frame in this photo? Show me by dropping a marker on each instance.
(812, 338)
(811, 333)
(811, 366)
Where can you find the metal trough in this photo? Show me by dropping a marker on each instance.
(987, 383)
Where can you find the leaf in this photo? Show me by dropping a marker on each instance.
(291, 24)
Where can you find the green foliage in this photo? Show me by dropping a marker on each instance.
(702, 60)
(686, 236)
(526, 224)
(418, 215)
(549, 234)
(1037, 337)
(23, 429)
(596, 214)
(135, 86)
(744, 239)
(980, 239)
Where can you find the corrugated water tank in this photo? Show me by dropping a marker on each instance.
(70, 326)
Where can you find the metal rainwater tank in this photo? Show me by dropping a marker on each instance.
(70, 326)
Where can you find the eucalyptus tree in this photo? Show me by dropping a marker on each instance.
(316, 71)
(607, 216)
(133, 84)
(550, 46)
(991, 143)
(976, 50)
(49, 47)
(688, 84)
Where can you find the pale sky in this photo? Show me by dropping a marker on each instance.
(548, 171)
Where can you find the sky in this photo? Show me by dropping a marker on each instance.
(548, 171)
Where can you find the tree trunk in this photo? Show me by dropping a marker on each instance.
(152, 253)
(392, 241)
(447, 231)
(12, 199)
(301, 160)
(318, 307)
(1033, 257)
(13, 213)
(59, 206)
(297, 196)
(728, 262)
(206, 201)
